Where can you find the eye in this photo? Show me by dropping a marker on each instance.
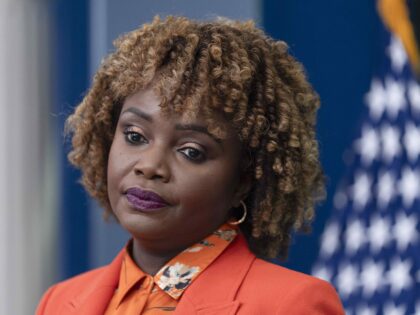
(134, 137)
(193, 154)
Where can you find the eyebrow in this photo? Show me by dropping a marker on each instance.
(139, 113)
(197, 128)
(183, 127)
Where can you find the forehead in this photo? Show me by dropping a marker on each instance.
(147, 101)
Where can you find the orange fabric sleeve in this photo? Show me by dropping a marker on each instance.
(315, 298)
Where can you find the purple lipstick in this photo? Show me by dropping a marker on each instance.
(144, 200)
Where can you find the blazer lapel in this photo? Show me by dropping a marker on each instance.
(187, 308)
(214, 291)
(93, 299)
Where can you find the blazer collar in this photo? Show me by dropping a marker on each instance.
(203, 297)
(94, 299)
(214, 291)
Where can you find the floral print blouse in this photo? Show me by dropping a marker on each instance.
(141, 293)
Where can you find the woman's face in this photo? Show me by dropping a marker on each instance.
(196, 176)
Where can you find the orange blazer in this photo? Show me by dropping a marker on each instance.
(235, 283)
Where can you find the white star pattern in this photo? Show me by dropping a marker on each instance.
(347, 279)
(379, 233)
(404, 230)
(414, 96)
(322, 273)
(376, 99)
(371, 277)
(340, 200)
(374, 260)
(395, 97)
(355, 236)
(366, 310)
(330, 239)
(361, 190)
(368, 145)
(385, 188)
(409, 186)
(417, 308)
(391, 142)
(392, 309)
(397, 54)
(412, 141)
(398, 276)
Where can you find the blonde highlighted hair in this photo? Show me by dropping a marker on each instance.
(229, 67)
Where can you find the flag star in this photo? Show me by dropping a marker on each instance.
(409, 186)
(355, 236)
(361, 190)
(395, 97)
(414, 96)
(385, 189)
(340, 200)
(366, 310)
(322, 273)
(412, 141)
(379, 233)
(371, 277)
(376, 99)
(405, 231)
(330, 239)
(347, 279)
(398, 276)
(392, 309)
(417, 311)
(397, 54)
(368, 145)
(391, 142)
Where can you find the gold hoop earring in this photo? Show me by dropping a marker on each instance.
(242, 219)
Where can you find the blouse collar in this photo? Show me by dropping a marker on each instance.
(177, 274)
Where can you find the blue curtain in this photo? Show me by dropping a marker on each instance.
(70, 53)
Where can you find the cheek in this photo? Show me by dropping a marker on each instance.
(212, 189)
(117, 167)
(112, 163)
(111, 174)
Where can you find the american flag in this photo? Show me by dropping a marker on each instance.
(370, 248)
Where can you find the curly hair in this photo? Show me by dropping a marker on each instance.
(227, 66)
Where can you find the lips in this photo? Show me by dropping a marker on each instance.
(144, 200)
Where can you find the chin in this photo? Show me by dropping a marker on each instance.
(141, 225)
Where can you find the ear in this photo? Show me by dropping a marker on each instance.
(244, 187)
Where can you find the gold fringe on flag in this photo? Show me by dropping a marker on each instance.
(396, 16)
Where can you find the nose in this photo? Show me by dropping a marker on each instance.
(152, 164)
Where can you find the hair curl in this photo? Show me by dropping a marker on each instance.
(226, 66)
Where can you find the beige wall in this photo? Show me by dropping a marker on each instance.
(27, 163)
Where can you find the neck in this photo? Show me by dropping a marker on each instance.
(151, 261)
(152, 255)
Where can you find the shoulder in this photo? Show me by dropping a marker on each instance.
(66, 289)
(91, 290)
(264, 269)
(284, 289)
(78, 281)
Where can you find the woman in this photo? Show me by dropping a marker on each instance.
(199, 138)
